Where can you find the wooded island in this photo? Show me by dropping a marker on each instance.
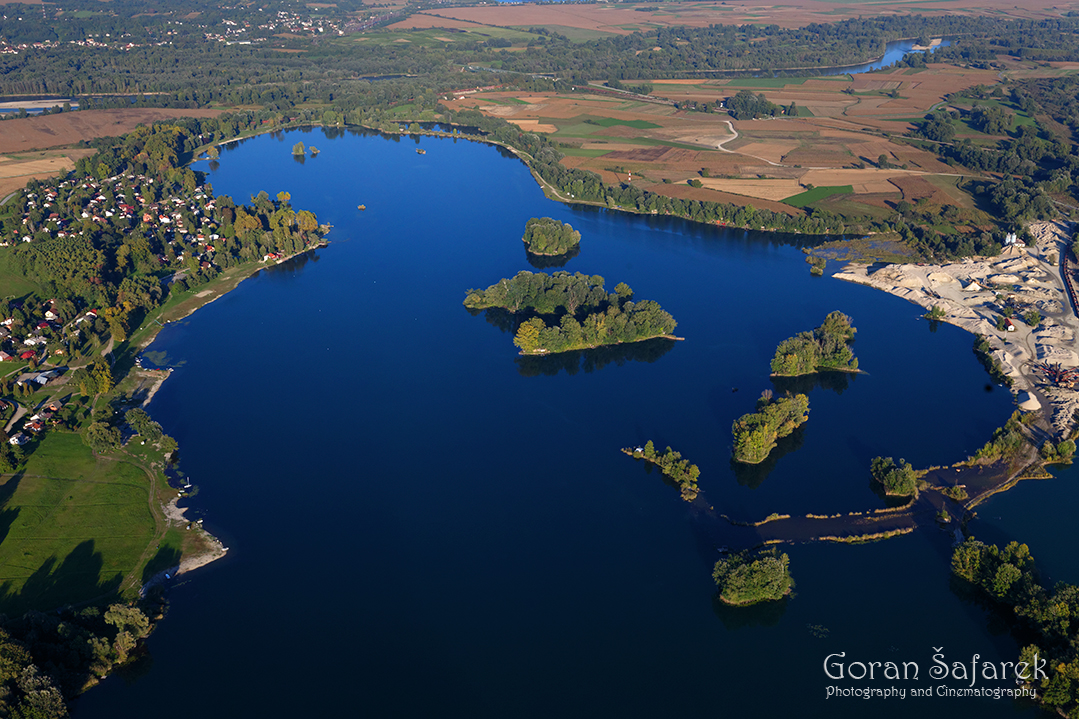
(673, 466)
(548, 237)
(745, 578)
(582, 314)
(827, 348)
(755, 434)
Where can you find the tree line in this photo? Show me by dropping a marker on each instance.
(1046, 619)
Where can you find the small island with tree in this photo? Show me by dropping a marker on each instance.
(755, 434)
(548, 237)
(678, 470)
(745, 578)
(897, 480)
(581, 313)
(827, 348)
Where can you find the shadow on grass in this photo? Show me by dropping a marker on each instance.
(8, 515)
(77, 578)
(166, 558)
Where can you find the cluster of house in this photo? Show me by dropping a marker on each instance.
(174, 219)
(35, 425)
(7, 48)
(243, 32)
(29, 341)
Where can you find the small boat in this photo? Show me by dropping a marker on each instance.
(421, 152)
(361, 207)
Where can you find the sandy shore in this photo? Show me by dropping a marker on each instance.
(214, 551)
(972, 293)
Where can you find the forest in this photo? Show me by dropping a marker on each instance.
(47, 659)
(548, 236)
(826, 348)
(582, 314)
(747, 578)
(1044, 620)
(755, 434)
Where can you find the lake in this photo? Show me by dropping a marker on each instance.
(421, 525)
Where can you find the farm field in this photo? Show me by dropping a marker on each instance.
(68, 128)
(845, 135)
(623, 19)
(18, 169)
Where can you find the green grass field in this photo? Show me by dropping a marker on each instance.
(816, 194)
(11, 278)
(578, 152)
(574, 34)
(440, 37)
(635, 124)
(72, 526)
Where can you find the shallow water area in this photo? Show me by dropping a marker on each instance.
(421, 524)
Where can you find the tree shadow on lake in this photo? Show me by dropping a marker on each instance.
(504, 320)
(837, 382)
(544, 262)
(593, 359)
(77, 578)
(999, 617)
(291, 265)
(753, 475)
(765, 614)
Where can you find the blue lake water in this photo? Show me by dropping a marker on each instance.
(893, 52)
(420, 525)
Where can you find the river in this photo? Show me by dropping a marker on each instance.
(421, 525)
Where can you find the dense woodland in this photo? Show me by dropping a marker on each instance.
(750, 578)
(826, 348)
(581, 312)
(1046, 620)
(46, 659)
(755, 434)
(898, 480)
(548, 236)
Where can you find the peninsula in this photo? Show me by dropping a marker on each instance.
(582, 314)
(678, 470)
